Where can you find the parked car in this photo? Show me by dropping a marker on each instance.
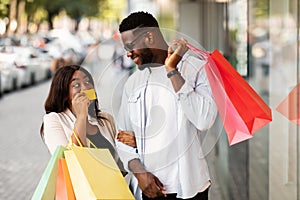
(37, 63)
(9, 77)
(22, 66)
(8, 62)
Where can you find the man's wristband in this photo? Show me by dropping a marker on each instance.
(173, 72)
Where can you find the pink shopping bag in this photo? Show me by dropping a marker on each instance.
(242, 110)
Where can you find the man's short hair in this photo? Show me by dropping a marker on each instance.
(137, 19)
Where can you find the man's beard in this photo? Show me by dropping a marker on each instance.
(147, 59)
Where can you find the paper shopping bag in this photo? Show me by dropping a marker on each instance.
(64, 188)
(46, 187)
(289, 107)
(95, 174)
(241, 109)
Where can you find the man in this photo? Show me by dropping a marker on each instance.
(166, 104)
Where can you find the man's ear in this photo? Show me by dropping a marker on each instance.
(149, 38)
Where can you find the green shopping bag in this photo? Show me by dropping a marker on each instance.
(46, 188)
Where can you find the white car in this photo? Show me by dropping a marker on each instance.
(9, 77)
(9, 65)
(36, 63)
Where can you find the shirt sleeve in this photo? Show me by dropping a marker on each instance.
(126, 152)
(195, 96)
(54, 134)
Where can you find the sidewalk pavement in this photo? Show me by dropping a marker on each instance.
(23, 156)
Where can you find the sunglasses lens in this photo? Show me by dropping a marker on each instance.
(130, 46)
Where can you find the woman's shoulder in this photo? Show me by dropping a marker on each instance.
(54, 115)
(51, 115)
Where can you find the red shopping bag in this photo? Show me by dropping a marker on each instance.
(64, 188)
(289, 107)
(242, 110)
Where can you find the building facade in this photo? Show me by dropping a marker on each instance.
(261, 40)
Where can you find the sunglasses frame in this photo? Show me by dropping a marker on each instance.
(130, 46)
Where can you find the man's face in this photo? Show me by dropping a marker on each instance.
(136, 47)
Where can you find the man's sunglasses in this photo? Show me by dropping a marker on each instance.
(130, 46)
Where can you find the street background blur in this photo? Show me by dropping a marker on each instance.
(259, 38)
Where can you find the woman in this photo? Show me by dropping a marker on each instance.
(69, 111)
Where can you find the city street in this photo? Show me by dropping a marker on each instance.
(23, 153)
(259, 40)
(23, 156)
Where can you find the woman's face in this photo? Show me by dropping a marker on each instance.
(80, 81)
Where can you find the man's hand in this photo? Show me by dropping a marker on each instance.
(150, 185)
(175, 56)
(127, 137)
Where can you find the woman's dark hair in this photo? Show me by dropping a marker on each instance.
(58, 97)
(138, 19)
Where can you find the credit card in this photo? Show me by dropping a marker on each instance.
(91, 95)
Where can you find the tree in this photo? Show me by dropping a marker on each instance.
(82, 8)
(37, 11)
(4, 8)
(75, 9)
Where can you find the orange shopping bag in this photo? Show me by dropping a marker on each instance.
(64, 188)
(242, 110)
(289, 107)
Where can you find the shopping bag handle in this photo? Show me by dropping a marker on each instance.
(195, 49)
(79, 142)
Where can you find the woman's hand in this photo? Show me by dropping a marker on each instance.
(127, 137)
(175, 56)
(80, 104)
